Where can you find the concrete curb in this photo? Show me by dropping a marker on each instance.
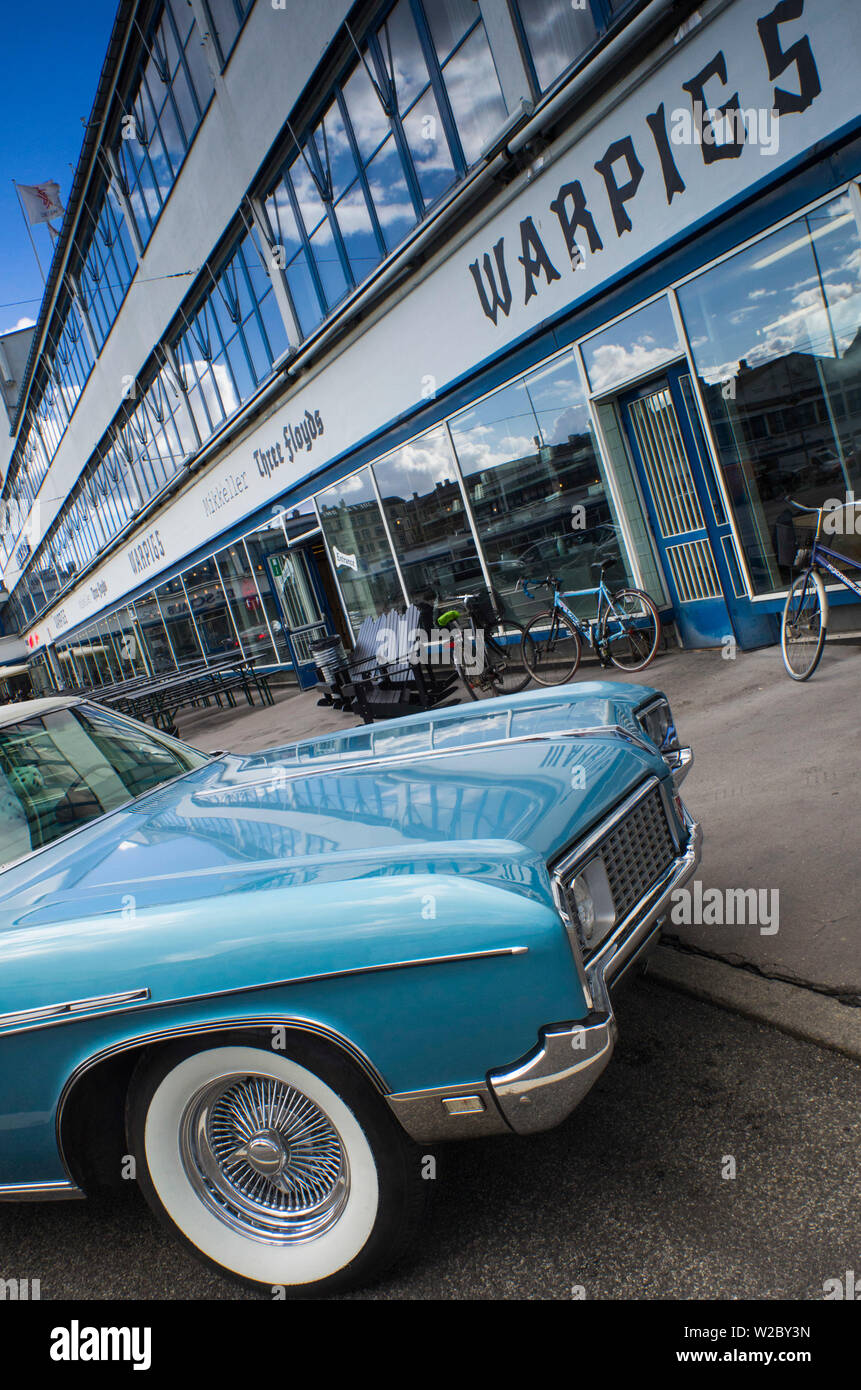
(801, 1012)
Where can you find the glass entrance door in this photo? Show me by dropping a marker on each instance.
(301, 608)
(688, 515)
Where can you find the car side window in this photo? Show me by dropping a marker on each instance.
(69, 766)
(138, 760)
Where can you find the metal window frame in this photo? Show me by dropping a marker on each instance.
(601, 18)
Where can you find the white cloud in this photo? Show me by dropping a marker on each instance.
(24, 322)
(614, 362)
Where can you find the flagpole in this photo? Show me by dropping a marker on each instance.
(29, 233)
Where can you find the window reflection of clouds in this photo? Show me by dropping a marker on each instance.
(640, 343)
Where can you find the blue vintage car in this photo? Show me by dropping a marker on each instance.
(264, 985)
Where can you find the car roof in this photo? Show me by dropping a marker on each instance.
(32, 709)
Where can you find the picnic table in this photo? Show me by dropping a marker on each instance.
(159, 698)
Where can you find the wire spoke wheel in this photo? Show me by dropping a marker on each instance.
(551, 648)
(505, 670)
(264, 1158)
(803, 628)
(631, 630)
(489, 660)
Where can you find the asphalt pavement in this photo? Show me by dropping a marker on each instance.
(626, 1199)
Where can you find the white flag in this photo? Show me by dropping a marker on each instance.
(41, 201)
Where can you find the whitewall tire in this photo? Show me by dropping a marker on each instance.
(284, 1170)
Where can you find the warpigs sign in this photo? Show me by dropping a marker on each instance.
(716, 120)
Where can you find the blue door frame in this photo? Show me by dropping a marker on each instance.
(688, 516)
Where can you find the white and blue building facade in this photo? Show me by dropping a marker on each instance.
(357, 302)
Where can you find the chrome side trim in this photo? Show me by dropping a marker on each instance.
(191, 1030)
(424, 1116)
(40, 1192)
(73, 1009)
(680, 762)
(149, 1003)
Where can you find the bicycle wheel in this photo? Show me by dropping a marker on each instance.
(461, 637)
(631, 630)
(505, 670)
(804, 626)
(551, 648)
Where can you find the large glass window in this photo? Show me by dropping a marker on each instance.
(209, 606)
(225, 17)
(557, 33)
(231, 341)
(154, 634)
(264, 549)
(413, 115)
(361, 554)
(468, 73)
(108, 266)
(637, 345)
(246, 605)
(163, 113)
(535, 481)
(73, 360)
(427, 519)
(178, 621)
(775, 334)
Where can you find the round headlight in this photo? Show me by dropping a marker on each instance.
(656, 721)
(584, 904)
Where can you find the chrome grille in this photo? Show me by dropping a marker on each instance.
(637, 852)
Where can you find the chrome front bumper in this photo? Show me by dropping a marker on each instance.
(543, 1087)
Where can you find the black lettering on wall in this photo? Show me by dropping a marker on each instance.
(534, 259)
(779, 59)
(619, 194)
(579, 216)
(673, 181)
(711, 150)
(501, 292)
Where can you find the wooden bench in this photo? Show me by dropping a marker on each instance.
(387, 674)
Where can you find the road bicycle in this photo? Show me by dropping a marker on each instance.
(805, 614)
(626, 630)
(488, 647)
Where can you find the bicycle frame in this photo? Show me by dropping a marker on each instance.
(821, 555)
(583, 629)
(820, 558)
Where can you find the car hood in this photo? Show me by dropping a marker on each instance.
(285, 865)
(509, 770)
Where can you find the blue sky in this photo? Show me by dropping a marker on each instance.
(52, 56)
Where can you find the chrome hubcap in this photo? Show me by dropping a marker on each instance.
(264, 1158)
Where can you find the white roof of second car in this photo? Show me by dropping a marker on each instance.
(32, 709)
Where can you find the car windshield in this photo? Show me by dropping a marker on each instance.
(65, 767)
